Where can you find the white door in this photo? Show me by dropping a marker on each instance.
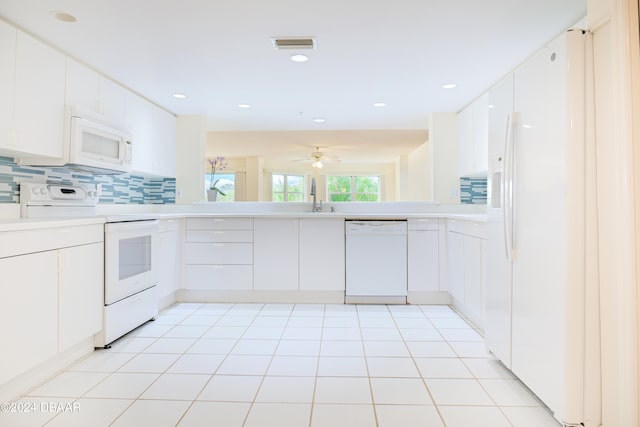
(497, 322)
(539, 272)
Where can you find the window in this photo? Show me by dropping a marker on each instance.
(226, 183)
(354, 188)
(287, 188)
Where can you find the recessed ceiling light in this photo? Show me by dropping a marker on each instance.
(63, 17)
(449, 86)
(379, 104)
(245, 106)
(298, 57)
(319, 120)
(179, 95)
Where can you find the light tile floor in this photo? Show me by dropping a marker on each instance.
(259, 365)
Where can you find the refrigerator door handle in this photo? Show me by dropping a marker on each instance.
(506, 189)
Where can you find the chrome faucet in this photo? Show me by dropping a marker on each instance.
(315, 207)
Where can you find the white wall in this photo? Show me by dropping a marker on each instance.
(191, 140)
(444, 157)
(420, 173)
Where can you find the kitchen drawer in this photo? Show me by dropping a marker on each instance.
(228, 223)
(219, 236)
(219, 277)
(21, 242)
(422, 223)
(166, 225)
(470, 228)
(218, 253)
(127, 314)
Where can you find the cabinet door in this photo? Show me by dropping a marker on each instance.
(168, 263)
(472, 261)
(112, 102)
(164, 130)
(83, 86)
(465, 141)
(81, 290)
(455, 258)
(7, 82)
(423, 261)
(481, 133)
(39, 98)
(28, 312)
(322, 255)
(275, 265)
(139, 122)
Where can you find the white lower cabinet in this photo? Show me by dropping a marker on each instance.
(52, 290)
(218, 254)
(423, 251)
(79, 293)
(275, 245)
(466, 243)
(321, 254)
(170, 260)
(28, 312)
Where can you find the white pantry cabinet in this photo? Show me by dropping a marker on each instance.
(473, 137)
(423, 263)
(32, 111)
(321, 254)
(466, 245)
(92, 91)
(275, 246)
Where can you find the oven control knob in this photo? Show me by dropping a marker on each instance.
(43, 191)
(35, 190)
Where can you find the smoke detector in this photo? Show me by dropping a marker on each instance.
(282, 43)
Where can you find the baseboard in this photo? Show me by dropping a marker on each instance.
(439, 298)
(167, 300)
(31, 379)
(302, 297)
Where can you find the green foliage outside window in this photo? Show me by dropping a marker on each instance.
(354, 188)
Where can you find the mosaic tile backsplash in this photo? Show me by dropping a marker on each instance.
(121, 189)
(473, 191)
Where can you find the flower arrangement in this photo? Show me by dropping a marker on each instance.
(217, 165)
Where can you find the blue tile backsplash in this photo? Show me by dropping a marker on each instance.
(473, 191)
(115, 188)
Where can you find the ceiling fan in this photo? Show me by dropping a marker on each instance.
(318, 158)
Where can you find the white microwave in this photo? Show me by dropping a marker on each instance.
(91, 144)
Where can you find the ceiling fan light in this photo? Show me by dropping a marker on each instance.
(317, 164)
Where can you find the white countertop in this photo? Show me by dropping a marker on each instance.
(15, 224)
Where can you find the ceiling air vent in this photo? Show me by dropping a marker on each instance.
(294, 42)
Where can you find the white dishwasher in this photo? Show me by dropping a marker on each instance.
(376, 261)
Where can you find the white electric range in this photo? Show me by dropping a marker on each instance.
(130, 264)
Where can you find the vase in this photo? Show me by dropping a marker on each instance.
(212, 195)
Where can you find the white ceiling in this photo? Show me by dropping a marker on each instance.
(219, 54)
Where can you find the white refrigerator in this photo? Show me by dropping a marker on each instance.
(541, 300)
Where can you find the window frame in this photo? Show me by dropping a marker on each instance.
(352, 187)
(286, 193)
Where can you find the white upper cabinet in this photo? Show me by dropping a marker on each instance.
(32, 79)
(164, 142)
(92, 91)
(473, 137)
(465, 141)
(154, 137)
(8, 36)
(139, 119)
